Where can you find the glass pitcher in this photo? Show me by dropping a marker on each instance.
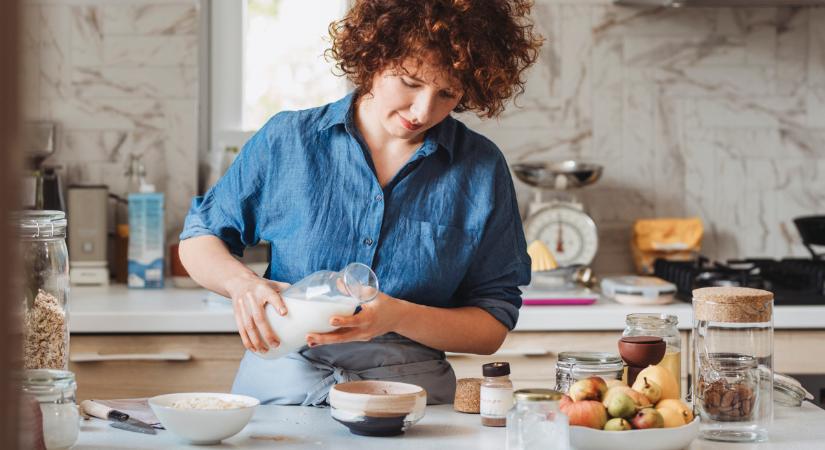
(314, 300)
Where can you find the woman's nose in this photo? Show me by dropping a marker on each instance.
(422, 107)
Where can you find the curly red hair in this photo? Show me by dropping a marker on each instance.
(485, 45)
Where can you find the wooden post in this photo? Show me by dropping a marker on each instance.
(10, 155)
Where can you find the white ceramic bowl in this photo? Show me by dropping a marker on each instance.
(377, 408)
(203, 426)
(583, 438)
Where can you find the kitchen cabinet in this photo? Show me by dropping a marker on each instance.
(143, 365)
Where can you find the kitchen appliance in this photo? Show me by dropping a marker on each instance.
(88, 236)
(812, 231)
(794, 281)
(42, 186)
(560, 222)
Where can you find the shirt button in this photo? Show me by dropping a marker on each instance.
(379, 197)
(367, 242)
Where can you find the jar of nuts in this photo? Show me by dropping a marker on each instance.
(733, 362)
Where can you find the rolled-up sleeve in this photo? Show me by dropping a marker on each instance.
(229, 209)
(501, 263)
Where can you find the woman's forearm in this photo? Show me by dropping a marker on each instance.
(209, 263)
(465, 330)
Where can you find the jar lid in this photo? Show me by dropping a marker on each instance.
(48, 383)
(732, 304)
(589, 358)
(496, 369)
(651, 319)
(788, 391)
(537, 395)
(37, 224)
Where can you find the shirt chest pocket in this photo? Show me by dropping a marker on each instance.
(436, 257)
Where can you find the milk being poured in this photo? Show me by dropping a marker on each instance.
(304, 317)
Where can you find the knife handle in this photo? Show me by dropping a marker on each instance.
(102, 411)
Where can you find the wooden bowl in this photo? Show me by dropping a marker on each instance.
(377, 408)
(642, 351)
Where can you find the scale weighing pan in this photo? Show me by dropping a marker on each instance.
(557, 175)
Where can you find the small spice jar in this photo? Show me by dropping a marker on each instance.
(55, 391)
(574, 366)
(733, 362)
(536, 422)
(496, 394)
(42, 247)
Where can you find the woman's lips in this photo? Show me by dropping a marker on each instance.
(409, 125)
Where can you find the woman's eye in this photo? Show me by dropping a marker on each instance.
(408, 83)
(446, 94)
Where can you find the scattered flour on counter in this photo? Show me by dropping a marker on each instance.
(207, 403)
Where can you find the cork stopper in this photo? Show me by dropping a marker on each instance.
(467, 395)
(732, 304)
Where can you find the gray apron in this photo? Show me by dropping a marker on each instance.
(305, 377)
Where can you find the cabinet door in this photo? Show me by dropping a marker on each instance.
(126, 366)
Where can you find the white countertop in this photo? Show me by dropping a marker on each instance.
(118, 309)
(297, 427)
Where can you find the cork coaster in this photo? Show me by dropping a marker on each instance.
(732, 304)
(467, 395)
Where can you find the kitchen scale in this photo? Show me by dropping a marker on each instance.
(560, 221)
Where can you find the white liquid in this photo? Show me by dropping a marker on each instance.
(304, 317)
(61, 424)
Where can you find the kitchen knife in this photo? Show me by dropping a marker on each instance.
(119, 419)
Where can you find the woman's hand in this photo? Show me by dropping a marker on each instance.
(376, 318)
(250, 294)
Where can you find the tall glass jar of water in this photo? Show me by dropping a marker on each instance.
(733, 362)
(664, 326)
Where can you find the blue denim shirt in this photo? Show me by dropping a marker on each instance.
(444, 232)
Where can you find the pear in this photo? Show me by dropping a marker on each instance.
(621, 405)
(662, 377)
(617, 424)
(678, 405)
(647, 418)
(592, 388)
(651, 389)
(671, 417)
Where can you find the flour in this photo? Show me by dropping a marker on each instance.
(304, 317)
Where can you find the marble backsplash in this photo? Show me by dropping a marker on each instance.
(120, 78)
(712, 112)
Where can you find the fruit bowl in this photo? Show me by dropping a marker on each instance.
(583, 438)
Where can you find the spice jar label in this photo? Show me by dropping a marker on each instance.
(495, 402)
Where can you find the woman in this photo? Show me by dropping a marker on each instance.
(387, 178)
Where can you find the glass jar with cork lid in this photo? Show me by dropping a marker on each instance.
(733, 362)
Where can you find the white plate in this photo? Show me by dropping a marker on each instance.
(583, 438)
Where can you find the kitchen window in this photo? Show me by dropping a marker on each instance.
(267, 56)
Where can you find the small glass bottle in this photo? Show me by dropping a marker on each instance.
(55, 391)
(496, 396)
(536, 422)
(574, 366)
(733, 363)
(663, 326)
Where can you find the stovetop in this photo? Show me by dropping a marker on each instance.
(794, 281)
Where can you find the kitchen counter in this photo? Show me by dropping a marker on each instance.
(117, 309)
(295, 427)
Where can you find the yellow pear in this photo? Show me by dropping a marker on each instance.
(611, 383)
(671, 417)
(679, 406)
(662, 377)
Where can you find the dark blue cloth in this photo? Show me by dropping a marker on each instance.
(444, 232)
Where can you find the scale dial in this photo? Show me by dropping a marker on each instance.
(567, 231)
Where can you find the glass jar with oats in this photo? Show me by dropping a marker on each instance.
(45, 287)
(733, 362)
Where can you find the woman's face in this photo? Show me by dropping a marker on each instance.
(413, 98)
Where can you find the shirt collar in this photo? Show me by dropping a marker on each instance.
(340, 112)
